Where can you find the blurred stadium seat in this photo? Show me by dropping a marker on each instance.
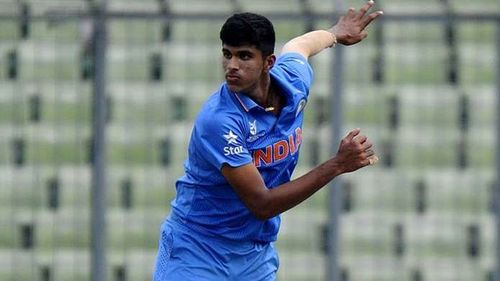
(424, 213)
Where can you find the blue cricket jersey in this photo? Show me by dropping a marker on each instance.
(231, 128)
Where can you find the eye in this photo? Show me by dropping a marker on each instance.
(227, 55)
(245, 56)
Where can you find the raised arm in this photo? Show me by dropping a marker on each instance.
(349, 30)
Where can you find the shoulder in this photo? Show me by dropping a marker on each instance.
(293, 61)
(294, 68)
(293, 65)
(291, 58)
(219, 133)
(218, 114)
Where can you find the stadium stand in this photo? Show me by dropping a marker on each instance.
(424, 213)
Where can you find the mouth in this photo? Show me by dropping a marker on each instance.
(232, 78)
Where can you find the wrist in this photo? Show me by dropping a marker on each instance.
(338, 35)
(333, 39)
(330, 169)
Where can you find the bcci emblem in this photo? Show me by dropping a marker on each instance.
(253, 127)
(254, 134)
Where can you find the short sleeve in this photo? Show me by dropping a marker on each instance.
(297, 70)
(221, 140)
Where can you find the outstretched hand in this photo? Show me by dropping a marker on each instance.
(355, 152)
(350, 29)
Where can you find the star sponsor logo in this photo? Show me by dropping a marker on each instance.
(234, 148)
(231, 138)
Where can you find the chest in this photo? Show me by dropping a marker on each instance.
(274, 143)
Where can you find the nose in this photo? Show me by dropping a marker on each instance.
(232, 63)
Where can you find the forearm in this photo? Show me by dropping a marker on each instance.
(350, 29)
(311, 43)
(355, 151)
(290, 194)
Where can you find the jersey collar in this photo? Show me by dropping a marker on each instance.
(245, 101)
(248, 104)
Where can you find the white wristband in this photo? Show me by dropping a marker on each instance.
(334, 40)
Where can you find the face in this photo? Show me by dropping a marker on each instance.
(244, 67)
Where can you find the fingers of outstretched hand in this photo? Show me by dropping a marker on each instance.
(368, 19)
(351, 12)
(365, 8)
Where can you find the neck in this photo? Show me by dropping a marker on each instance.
(266, 95)
(272, 101)
(262, 93)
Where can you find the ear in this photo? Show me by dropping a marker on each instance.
(269, 62)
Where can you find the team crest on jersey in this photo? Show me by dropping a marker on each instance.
(253, 127)
(254, 134)
(301, 106)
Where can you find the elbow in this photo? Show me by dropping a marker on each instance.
(261, 215)
(262, 212)
(261, 204)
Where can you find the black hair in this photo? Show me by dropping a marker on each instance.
(249, 29)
